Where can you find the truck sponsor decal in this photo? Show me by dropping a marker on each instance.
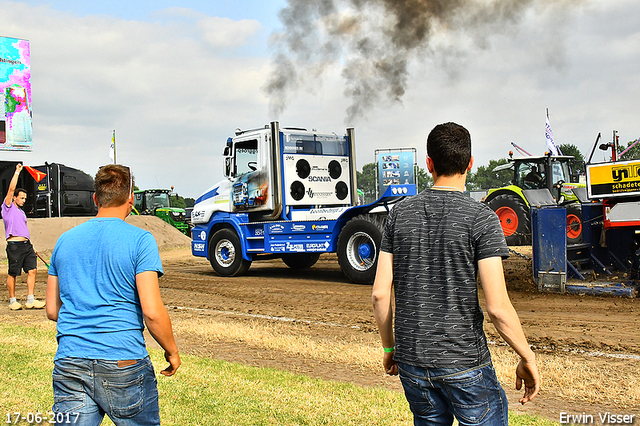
(203, 235)
(319, 179)
(298, 228)
(276, 247)
(198, 246)
(328, 210)
(312, 194)
(317, 246)
(320, 227)
(276, 229)
(295, 247)
(197, 214)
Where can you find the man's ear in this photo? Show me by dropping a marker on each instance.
(95, 199)
(470, 164)
(430, 166)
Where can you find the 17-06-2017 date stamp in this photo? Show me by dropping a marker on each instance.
(37, 418)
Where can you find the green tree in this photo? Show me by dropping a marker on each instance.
(190, 202)
(577, 164)
(424, 179)
(177, 201)
(485, 177)
(632, 154)
(367, 182)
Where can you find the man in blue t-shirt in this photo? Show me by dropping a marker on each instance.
(434, 247)
(102, 289)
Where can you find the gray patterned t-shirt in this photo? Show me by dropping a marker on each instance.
(437, 238)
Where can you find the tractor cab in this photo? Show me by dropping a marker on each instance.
(156, 202)
(550, 172)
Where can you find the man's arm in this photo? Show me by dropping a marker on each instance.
(8, 199)
(157, 318)
(383, 309)
(53, 298)
(506, 321)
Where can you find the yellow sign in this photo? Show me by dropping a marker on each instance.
(613, 179)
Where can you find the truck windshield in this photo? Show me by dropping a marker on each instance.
(157, 200)
(315, 144)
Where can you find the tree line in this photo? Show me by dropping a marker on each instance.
(485, 177)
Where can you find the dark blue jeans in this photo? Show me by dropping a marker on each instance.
(93, 388)
(474, 396)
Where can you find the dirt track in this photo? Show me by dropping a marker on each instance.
(565, 324)
(322, 304)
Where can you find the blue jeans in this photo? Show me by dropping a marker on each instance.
(473, 395)
(93, 388)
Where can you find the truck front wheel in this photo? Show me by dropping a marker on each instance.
(514, 219)
(358, 247)
(225, 254)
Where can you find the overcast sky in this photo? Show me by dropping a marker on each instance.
(174, 79)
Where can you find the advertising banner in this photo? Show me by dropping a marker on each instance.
(395, 167)
(611, 180)
(16, 132)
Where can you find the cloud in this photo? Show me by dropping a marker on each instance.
(166, 89)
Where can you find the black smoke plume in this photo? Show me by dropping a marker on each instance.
(375, 41)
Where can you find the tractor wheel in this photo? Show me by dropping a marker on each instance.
(514, 218)
(358, 247)
(225, 254)
(574, 224)
(301, 261)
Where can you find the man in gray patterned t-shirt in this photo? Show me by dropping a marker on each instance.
(434, 247)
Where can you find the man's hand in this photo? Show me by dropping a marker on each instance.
(174, 363)
(19, 168)
(390, 365)
(527, 372)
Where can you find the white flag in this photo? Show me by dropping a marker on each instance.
(553, 149)
(112, 149)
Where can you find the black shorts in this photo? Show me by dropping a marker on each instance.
(21, 257)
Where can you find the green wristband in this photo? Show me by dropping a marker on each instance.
(388, 350)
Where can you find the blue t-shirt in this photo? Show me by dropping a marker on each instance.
(96, 264)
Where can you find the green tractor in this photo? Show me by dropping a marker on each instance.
(545, 172)
(156, 202)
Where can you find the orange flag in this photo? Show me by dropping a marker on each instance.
(35, 174)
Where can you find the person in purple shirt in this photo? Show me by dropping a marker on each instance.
(21, 255)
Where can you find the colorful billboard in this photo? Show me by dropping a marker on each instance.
(395, 167)
(16, 131)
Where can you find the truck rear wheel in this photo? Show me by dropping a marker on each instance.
(300, 261)
(514, 218)
(358, 247)
(225, 254)
(574, 224)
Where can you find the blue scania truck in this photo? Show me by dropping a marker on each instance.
(290, 193)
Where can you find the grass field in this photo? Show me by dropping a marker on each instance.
(209, 392)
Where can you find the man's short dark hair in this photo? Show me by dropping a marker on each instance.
(18, 191)
(113, 184)
(449, 146)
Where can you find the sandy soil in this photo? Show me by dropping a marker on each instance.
(323, 303)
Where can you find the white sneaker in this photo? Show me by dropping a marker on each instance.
(36, 304)
(15, 306)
